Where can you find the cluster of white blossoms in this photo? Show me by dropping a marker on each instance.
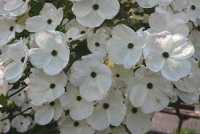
(90, 73)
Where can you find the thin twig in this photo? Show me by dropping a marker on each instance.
(17, 92)
(12, 116)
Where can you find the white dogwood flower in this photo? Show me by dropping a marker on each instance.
(49, 19)
(18, 98)
(47, 112)
(18, 55)
(15, 7)
(136, 121)
(44, 88)
(79, 108)
(73, 34)
(52, 55)
(193, 9)
(69, 126)
(8, 29)
(6, 126)
(149, 91)
(98, 40)
(109, 111)
(194, 37)
(93, 78)
(125, 46)
(92, 13)
(169, 54)
(162, 20)
(21, 123)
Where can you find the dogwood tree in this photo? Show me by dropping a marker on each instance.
(95, 66)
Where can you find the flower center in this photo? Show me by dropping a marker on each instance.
(130, 45)
(134, 110)
(105, 105)
(193, 7)
(78, 98)
(117, 75)
(11, 28)
(52, 104)
(165, 55)
(52, 86)
(76, 123)
(49, 21)
(95, 6)
(22, 59)
(149, 85)
(97, 44)
(82, 32)
(54, 53)
(93, 74)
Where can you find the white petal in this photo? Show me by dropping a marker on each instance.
(147, 4)
(57, 111)
(79, 72)
(48, 10)
(91, 20)
(108, 8)
(36, 23)
(194, 37)
(178, 26)
(83, 8)
(38, 83)
(68, 100)
(124, 33)
(57, 18)
(138, 123)
(82, 110)
(98, 120)
(182, 48)
(104, 83)
(53, 94)
(40, 57)
(12, 4)
(173, 70)
(138, 93)
(116, 114)
(132, 57)
(189, 98)
(159, 20)
(55, 66)
(73, 32)
(13, 72)
(154, 102)
(36, 97)
(3, 31)
(117, 50)
(21, 10)
(155, 62)
(89, 91)
(44, 115)
(180, 4)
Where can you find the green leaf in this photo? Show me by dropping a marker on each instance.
(3, 100)
(35, 7)
(81, 49)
